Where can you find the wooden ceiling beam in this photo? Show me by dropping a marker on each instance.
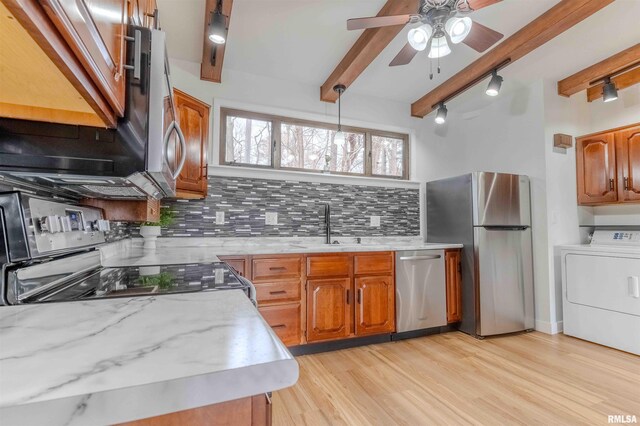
(213, 54)
(582, 80)
(550, 24)
(366, 49)
(622, 81)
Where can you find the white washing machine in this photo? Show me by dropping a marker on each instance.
(601, 290)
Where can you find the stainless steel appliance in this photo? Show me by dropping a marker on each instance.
(135, 160)
(490, 214)
(420, 290)
(47, 254)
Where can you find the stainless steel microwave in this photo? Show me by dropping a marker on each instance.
(141, 157)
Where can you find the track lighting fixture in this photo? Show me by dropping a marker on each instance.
(218, 25)
(441, 114)
(609, 90)
(494, 85)
(338, 139)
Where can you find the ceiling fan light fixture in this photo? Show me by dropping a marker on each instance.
(419, 37)
(441, 114)
(609, 90)
(458, 28)
(218, 27)
(439, 47)
(494, 85)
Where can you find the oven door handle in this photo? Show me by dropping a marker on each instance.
(183, 148)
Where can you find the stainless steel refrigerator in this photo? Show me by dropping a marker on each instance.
(490, 213)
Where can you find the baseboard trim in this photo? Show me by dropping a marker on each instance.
(549, 327)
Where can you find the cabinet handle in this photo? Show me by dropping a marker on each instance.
(347, 296)
(626, 184)
(278, 292)
(278, 268)
(278, 326)
(611, 182)
(359, 296)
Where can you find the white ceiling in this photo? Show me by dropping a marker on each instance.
(303, 40)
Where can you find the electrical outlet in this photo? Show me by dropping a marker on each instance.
(374, 221)
(219, 218)
(271, 218)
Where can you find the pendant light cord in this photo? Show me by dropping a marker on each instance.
(339, 111)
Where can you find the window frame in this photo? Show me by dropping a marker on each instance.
(276, 126)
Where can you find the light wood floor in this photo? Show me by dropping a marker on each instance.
(455, 379)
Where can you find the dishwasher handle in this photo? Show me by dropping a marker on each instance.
(430, 257)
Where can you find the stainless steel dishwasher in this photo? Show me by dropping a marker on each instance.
(421, 296)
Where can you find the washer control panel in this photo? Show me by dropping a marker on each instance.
(616, 238)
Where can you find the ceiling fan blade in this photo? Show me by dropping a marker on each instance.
(481, 38)
(404, 56)
(377, 21)
(479, 4)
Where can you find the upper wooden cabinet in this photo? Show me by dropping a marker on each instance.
(41, 76)
(628, 143)
(95, 31)
(142, 13)
(193, 117)
(608, 167)
(596, 166)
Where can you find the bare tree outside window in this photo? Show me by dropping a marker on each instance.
(264, 140)
(305, 147)
(248, 141)
(387, 156)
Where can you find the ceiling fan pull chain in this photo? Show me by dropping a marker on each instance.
(438, 64)
(430, 69)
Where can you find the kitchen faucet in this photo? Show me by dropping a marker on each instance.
(327, 221)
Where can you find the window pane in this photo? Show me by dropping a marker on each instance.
(306, 147)
(387, 156)
(248, 141)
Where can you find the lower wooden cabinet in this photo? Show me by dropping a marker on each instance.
(453, 265)
(240, 264)
(375, 305)
(329, 309)
(284, 320)
(251, 411)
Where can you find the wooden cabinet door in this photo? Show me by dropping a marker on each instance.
(95, 30)
(193, 118)
(285, 321)
(375, 300)
(142, 13)
(628, 142)
(454, 282)
(329, 309)
(596, 169)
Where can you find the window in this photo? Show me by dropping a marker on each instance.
(260, 140)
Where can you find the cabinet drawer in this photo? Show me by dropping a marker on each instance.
(329, 266)
(373, 263)
(268, 268)
(239, 264)
(278, 291)
(285, 321)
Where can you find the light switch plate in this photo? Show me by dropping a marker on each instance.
(219, 218)
(375, 221)
(271, 218)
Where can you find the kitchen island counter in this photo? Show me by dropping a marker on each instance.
(115, 360)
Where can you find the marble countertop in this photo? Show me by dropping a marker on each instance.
(113, 360)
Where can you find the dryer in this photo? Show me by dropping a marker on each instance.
(601, 289)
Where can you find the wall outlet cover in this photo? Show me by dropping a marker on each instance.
(271, 218)
(219, 218)
(375, 221)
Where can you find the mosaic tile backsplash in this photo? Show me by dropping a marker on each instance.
(300, 207)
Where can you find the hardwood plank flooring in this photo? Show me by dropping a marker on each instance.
(455, 379)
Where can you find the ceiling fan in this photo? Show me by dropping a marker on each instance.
(440, 20)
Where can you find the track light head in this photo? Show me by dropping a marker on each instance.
(609, 90)
(218, 27)
(441, 114)
(494, 85)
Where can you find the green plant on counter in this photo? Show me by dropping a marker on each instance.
(166, 219)
(163, 280)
